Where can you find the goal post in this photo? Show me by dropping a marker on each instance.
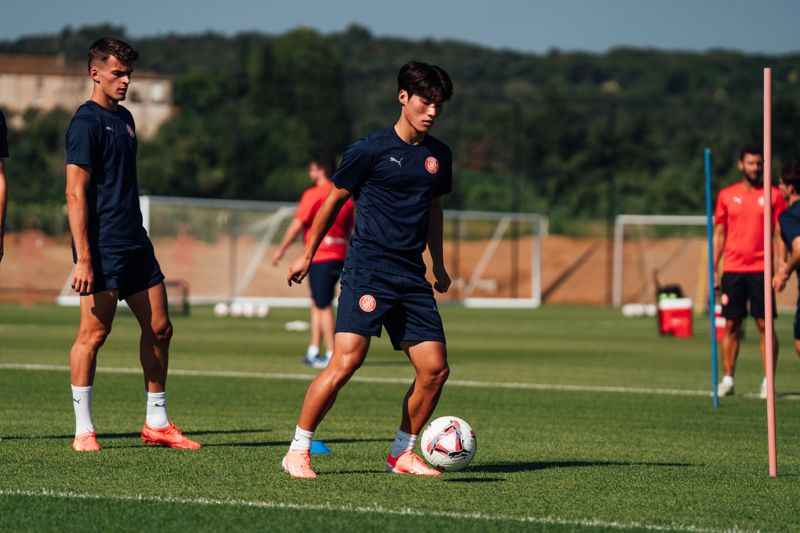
(678, 251)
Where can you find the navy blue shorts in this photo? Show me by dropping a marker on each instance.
(323, 277)
(128, 269)
(404, 305)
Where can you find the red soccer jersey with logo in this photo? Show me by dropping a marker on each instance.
(334, 244)
(741, 210)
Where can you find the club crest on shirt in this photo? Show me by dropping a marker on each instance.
(130, 131)
(432, 165)
(761, 201)
(367, 303)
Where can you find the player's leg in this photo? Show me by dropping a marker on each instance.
(349, 353)
(757, 306)
(96, 315)
(315, 332)
(797, 328)
(416, 327)
(734, 309)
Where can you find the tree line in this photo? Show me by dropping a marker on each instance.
(574, 135)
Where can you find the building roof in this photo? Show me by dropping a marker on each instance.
(40, 65)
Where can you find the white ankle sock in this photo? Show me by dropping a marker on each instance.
(157, 410)
(728, 380)
(403, 442)
(328, 354)
(82, 404)
(301, 440)
(312, 351)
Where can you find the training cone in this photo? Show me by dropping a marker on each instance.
(319, 447)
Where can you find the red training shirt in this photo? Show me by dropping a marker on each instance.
(741, 210)
(334, 244)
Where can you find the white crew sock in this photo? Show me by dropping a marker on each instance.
(727, 380)
(403, 442)
(312, 351)
(301, 440)
(157, 410)
(82, 404)
(328, 354)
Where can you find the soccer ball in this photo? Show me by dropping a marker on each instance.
(448, 443)
(221, 310)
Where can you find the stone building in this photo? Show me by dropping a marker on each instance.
(47, 82)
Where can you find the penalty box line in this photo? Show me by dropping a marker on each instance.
(363, 509)
(390, 381)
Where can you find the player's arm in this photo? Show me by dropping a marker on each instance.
(435, 245)
(3, 200)
(78, 178)
(786, 268)
(294, 229)
(720, 236)
(322, 223)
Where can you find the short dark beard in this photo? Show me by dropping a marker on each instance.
(758, 181)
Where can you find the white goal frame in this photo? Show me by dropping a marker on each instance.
(642, 220)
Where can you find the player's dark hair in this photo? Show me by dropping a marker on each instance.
(428, 81)
(101, 49)
(326, 163)
(750, 149)
(790, 175)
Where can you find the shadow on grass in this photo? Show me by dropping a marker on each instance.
(286, 443)
(474, 480)
(546, 465)
(138, 433)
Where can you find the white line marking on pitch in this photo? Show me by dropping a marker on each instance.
(401, 381)
(376, 509)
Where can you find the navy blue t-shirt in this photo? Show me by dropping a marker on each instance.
(790, 224)
(106, 141)
(3, 136)
(393, 183)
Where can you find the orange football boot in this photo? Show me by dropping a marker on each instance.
(168, 436)
(86, 442)
(298, 464)
(409, 463)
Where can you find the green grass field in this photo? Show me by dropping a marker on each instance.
(585, 421)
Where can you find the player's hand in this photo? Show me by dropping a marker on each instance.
(276, 257)
(299, 270)
(83, 278)
(442, 282)
(779, 281)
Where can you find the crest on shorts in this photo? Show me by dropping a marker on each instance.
(432, 165)
(367, 303)
(130, 131)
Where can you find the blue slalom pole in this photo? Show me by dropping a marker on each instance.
(712, 304)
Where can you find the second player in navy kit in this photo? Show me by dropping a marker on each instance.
(397, 177)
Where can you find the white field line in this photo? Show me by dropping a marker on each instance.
(400, 381)
(365, 509)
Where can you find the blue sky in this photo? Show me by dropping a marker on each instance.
(767, 26)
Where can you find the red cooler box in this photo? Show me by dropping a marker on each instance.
(675, 317)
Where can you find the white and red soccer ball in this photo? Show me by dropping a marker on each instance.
(448, 443)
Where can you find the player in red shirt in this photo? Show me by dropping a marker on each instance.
(327, 265)
(739, 240)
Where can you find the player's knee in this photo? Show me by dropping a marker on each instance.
(161, 332)
(93, 338)
(435, 377)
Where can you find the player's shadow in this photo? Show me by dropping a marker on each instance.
(546, 465)
(101, 436)
(284, 442)
(474, 480)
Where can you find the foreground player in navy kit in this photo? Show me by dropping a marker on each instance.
(113, 256)
(397, 177)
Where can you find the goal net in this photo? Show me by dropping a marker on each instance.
(221, 251)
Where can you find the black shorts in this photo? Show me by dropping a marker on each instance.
(126, 268)
(323, 277)
(740, 287)
(404, 305)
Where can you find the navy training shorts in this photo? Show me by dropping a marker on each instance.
(740, 287)
(126, 268)
(403, 304)
(323, 277)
